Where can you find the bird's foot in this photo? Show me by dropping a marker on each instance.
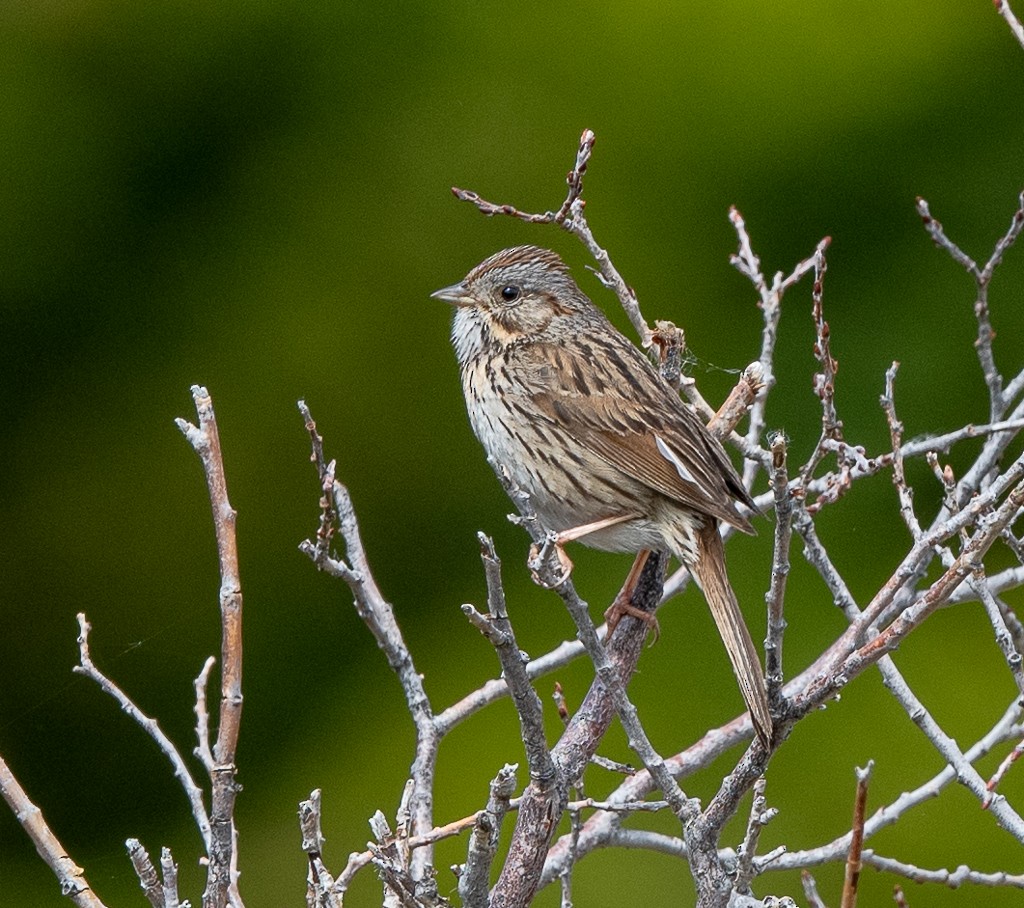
(622, 607)
(541, 568)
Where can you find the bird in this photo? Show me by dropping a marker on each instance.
(607, 452)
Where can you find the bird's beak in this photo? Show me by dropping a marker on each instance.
(456, 294)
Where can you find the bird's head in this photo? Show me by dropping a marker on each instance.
(513, 296)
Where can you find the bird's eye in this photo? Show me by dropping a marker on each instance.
(510, 293)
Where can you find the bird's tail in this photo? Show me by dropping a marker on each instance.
(709, 571)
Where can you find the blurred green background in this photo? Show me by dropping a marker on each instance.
(254, 196)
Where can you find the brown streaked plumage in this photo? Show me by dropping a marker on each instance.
(583, 423)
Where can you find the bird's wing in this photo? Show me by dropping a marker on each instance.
(614, 403)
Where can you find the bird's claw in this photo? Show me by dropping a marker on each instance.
(622, 607)
(540, 566)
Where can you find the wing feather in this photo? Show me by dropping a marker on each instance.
(631, 419)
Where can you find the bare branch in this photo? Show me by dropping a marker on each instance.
(825, 380)
(170, 873)
(328, 517)
(1004, 639)
(222, 873)
(702, 834)
(1004, 729)
(320, 891)
(600, 830)
(497, 689)
(498, 629)
(542, 805)
(843, 660)
(982, 278)
(1003, 8)
(940, 443)
(149, 879)
(953, 879)
(71, 877)
(483, 843)
(819, 559)
(378, 615)
(549, 570)
(966, 774)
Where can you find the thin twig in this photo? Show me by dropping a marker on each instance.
(379, 616)
(497, 689)
(899, 477)
(825, 380)
(770, 302)
(759, 817)
(192, 791)
(818, 557)
(853, 858)
(942, 443)
(1012, 757)
(982, 276)
(954, 879)
(811, 890)
(776, 594)
(570, 217)
(357, 860)
(1004, 639)
(202, 748)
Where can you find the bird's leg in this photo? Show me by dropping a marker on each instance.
(623, 604)
(558, 540)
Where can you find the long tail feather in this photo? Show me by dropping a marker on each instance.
(709, 571)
